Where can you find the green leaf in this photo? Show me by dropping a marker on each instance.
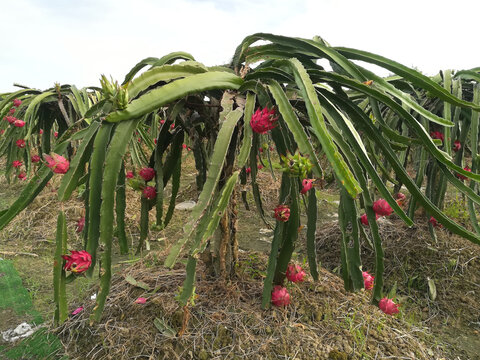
(406, 99)
(188, 285)
(29, 116)
(409, 74)
(162, 73)
(392, 158)
(297, 45)
(393, 291)
(348, 133)
(113, 163)
(33, 188)
(371, 216)
(144, 214)
(176, 175)
(59, 283)
(290, 236)
(78, 101)
(95, 109)
(142, 285)
(139, 66)
(410, 120)
(344, 175)
(164, 329)
(217, 212)
(247, 131)
(172, 57)
(172, 91)
(254, 169)
(467, 75)
(288, 114)
(120, 206)
(77, 166)
(278, 236)
(350, 245)
(214, 171)
(311, 233)
(475, 124)
(269, 73)
(432, 289)
(257, 88)
(395, 136)
(7, 100)
(167, 59)
(272, 54)
(95, 194)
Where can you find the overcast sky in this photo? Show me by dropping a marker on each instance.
(74, 41)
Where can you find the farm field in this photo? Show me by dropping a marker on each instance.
(325, 320)
(290, 204)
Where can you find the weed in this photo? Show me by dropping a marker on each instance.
(250, 266)
(456, 209)
(356, 330)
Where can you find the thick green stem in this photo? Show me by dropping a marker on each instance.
(95, 198)
(431, 174)
(350, 244)
(159, 186)
(278, 236)
(120, 206)
(143, 223)
(422, 164)
(59, 283)
(291, 234)
(311, 232)
(113, 164)
(475, 159)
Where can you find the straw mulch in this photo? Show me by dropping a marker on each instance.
(413, 263)
(225, 320)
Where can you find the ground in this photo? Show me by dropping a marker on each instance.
(226, 321)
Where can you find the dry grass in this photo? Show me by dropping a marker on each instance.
(36, 225)
(226, 321)
(412, 258)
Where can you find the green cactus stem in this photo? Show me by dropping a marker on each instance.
(59, 283)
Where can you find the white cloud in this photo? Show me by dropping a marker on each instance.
(74, 42)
